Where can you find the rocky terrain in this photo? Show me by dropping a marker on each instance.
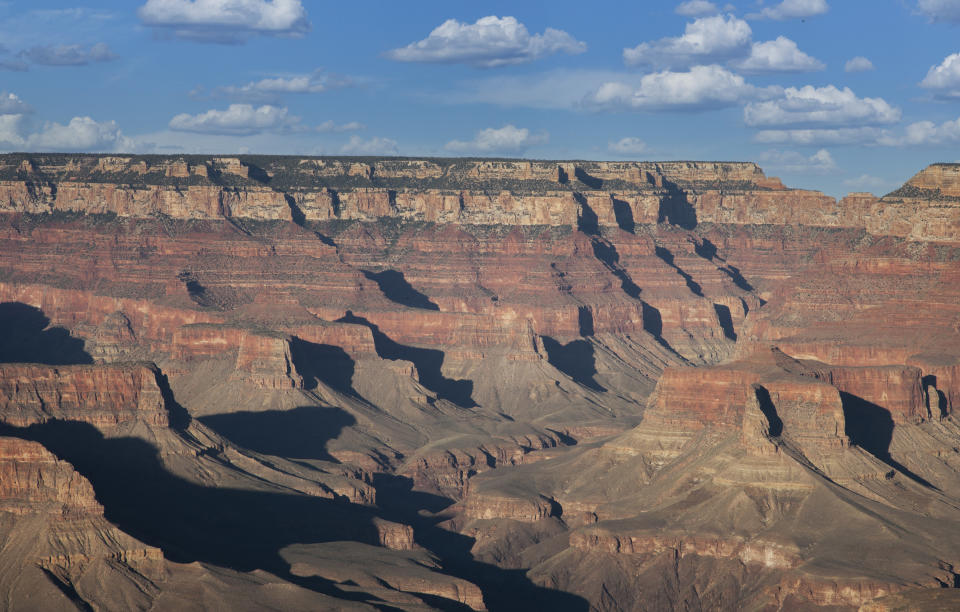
(334, 383)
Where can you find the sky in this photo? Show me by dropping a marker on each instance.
(835, 95)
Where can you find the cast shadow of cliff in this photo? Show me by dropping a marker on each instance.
(301, 433)
(503, 589)
(398, 290)
(675, 208)
(707, 250)
(624, 215)
(25, 337)
(234, 528)
(870, 427)
(428, 363)
(575, 359)
(725, 319)
(607, 254)
(324, 363)
(667, 257)
(246, 530)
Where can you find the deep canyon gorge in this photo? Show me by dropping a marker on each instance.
(269, 382)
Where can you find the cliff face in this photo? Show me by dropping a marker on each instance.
(647, 384)
(464, 192)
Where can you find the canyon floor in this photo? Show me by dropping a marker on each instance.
(288, 383)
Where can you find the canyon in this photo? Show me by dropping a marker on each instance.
(389, 383)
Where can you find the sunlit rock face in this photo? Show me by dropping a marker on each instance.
(313, 382)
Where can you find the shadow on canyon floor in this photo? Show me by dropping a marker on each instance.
(503, 590)
(26, 338)
(575, 359)
(428, 362)
(301, 433)
(246, 530)
(398, 290)
(324, 363)
(234, 528)
(870, 427)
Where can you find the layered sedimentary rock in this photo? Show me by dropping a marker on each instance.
(675, 385)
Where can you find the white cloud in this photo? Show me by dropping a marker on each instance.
(237, 119)
(858, 64)
(925, 133)
(780, 55)
(701, 88)
(837, 136)
(719, 39)
(491, 41)
(627, 146)
(226, 21)
(940, 10)
(80, 134)
(67, 55)
(10, 103)
(944, 79)
(792, 9)
(820, 162)
(374, 146)
(820, 106)
(705, 40)
(508, 139)
(696, 8)
(270, 88)
(11, 128)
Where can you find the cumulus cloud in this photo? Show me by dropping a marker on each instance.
(226, 21)
(627, 146)
(837, 136)
(705, 40)
(940, 10)
(925, 133)
(508, 139)
(944, 79)
(820, 162)
(67, 55)
(11, 128)
(696, 8)
(700, 88)
(780, 55)
(858, 64)
(491, 41)
(374, 146)
(237, 120)
(824, 106)
(331, 126)
(722, 39)
(792, 9)
(81, 134)
(272, 87)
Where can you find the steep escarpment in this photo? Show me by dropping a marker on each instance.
(645, 385)
(485, 192)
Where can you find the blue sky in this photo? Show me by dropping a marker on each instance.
(838, 95)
